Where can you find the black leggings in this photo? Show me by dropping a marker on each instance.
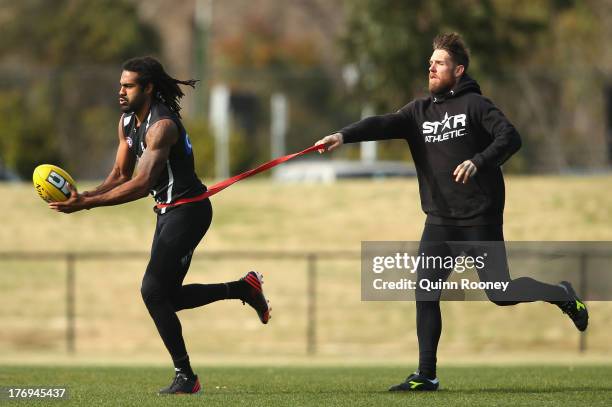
(177, 234)
(428, 316)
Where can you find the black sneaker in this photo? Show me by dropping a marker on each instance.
(574, 308)
(255, 296)
(416, 382)
(182, 385)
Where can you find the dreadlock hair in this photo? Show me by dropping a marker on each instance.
(165, 87)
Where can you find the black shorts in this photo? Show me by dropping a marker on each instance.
(177, 234)
(485, 242)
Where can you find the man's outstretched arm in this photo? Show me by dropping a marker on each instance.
(160, 139)
(383, 127)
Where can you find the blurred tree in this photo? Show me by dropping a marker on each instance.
(67, 32)
(261, 61)
(25, 142)
(66, 54)
(558, 87)
(203, 143)
(390, 42)
(542, 61)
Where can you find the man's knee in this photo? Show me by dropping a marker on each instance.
(154, 292)
(500, 299)
(151, 291)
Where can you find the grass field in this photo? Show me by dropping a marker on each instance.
(329, 386)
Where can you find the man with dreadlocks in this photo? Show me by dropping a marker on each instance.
(151, 134)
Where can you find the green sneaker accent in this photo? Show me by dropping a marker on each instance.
(415, 384)
(579, 305)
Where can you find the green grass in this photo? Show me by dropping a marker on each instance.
(329, 386)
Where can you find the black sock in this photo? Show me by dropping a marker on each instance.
(197, 295)
(428, 373)
(237, 289)
(182, 365)
(429, 328)
(559, 303)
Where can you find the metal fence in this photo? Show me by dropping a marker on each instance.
(71, 258)
(310, 259)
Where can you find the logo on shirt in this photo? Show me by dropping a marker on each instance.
(188, 146)
(449, 128)
(129, 141)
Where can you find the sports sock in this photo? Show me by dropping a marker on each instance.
(430, 374)
(561, 302)
(237, 289)
(182, 365)
(429, 328)
(197, 295)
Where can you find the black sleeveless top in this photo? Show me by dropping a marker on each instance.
(178, 180)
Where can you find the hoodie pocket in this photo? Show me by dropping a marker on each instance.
(456, 200)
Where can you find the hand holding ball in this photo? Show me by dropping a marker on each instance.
(51, 183)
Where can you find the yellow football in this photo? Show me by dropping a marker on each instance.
(51, 183)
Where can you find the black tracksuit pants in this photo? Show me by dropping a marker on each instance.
(177, 234)
(428, 316)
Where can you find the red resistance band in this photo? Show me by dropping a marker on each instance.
(220, 186)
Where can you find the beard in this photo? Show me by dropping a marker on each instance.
(441, 86)
(134, 104)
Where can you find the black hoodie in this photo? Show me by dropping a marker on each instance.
(442, 132)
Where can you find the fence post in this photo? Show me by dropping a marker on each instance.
(583, 294)
(311, 308)
(70, 303)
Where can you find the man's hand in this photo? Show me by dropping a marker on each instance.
(464, 171)
(331, 142)
(76, 202)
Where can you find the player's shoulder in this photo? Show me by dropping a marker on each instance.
(126, 122)
(414, 106)
(476, 99)
(163, 132)
(160, 111)
(164, 127)
(410, 106)
(422, 102)
(166, 123)
(126, 119)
